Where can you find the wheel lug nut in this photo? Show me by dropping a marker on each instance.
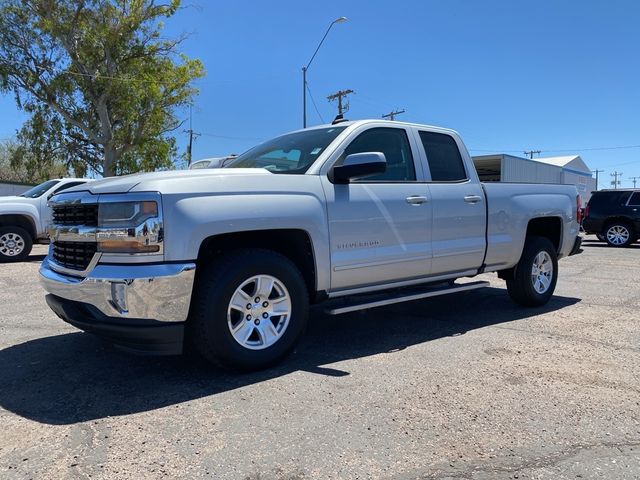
(257, 321)
(257, 299)
(249, 317)
(265, 315)
(248, 306)
(265, 304)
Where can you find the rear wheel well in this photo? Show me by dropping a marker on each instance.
(548, 227)
(19, 221)
(292, 243)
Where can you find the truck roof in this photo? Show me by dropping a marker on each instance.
(348, 123)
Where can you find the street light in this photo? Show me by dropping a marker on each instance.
(305, 68)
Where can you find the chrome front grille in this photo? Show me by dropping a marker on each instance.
(74, 255)
(76, 214)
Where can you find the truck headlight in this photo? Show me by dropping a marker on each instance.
(129, 227)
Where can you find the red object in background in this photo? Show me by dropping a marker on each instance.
(580, 213)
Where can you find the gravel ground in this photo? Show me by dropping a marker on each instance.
(464, 386)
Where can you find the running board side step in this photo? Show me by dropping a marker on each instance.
(380, 300)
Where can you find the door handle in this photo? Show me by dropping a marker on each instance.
(416, 200)
(473, 198)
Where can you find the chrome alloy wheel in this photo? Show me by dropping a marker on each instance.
(542, 272)
(618, 234)
(11, 244)
(259, 312)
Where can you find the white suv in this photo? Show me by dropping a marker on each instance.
(24, 218)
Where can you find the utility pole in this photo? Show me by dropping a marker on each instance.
(192, 134)
(634, 180)
(392, 115)
(342, 107)
(596, 171)
(532, 152)
(615, 182)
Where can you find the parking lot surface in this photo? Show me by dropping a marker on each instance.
(463, 386)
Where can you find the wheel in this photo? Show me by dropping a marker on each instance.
(536, 274)
(15, 244)
(249, 310)
(619, 234)
(601, 237)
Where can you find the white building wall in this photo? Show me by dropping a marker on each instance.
(521, 170)
(583, 182)
(7, 189)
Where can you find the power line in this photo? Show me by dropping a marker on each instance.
(86, 75)
(573, 150)
(226, 137)
(314, 103)
(634, 180)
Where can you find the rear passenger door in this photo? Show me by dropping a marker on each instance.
(458, 205)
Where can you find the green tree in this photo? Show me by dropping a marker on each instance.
(102, 78)
(33, 165)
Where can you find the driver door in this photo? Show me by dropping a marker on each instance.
(380, 226)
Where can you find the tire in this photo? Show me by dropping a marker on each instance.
(212, 316)
(15, 244)
(527, 289)
(619, 234)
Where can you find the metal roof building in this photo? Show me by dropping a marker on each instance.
(568, 170)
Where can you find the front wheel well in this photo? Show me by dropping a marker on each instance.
(21, 221)
(294, 244)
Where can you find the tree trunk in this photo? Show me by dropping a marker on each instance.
(109, 163)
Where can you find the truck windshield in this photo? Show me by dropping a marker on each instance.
(291, 153)
(38, 190)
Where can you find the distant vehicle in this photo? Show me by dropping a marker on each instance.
(230, 259)
(215, 162)
(24, 218)
(614, 216)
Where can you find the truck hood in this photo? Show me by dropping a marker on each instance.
(166, 181)
(11, 199)
(15, 200)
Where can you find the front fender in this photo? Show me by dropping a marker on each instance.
(191, 220)
(28, 212)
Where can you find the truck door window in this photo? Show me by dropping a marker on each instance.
(67, 185)
(443, 157)
(393, 142)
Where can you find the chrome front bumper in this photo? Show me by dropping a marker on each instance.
(161, 292)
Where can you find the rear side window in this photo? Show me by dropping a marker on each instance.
(635, 200)
(443, 156)
(608, 199)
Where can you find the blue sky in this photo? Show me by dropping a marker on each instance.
(508, 75)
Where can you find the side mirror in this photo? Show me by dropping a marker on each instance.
(358, 165)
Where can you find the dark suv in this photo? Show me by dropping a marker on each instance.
(614, 216)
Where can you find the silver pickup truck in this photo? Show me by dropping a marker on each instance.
(354, 215)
